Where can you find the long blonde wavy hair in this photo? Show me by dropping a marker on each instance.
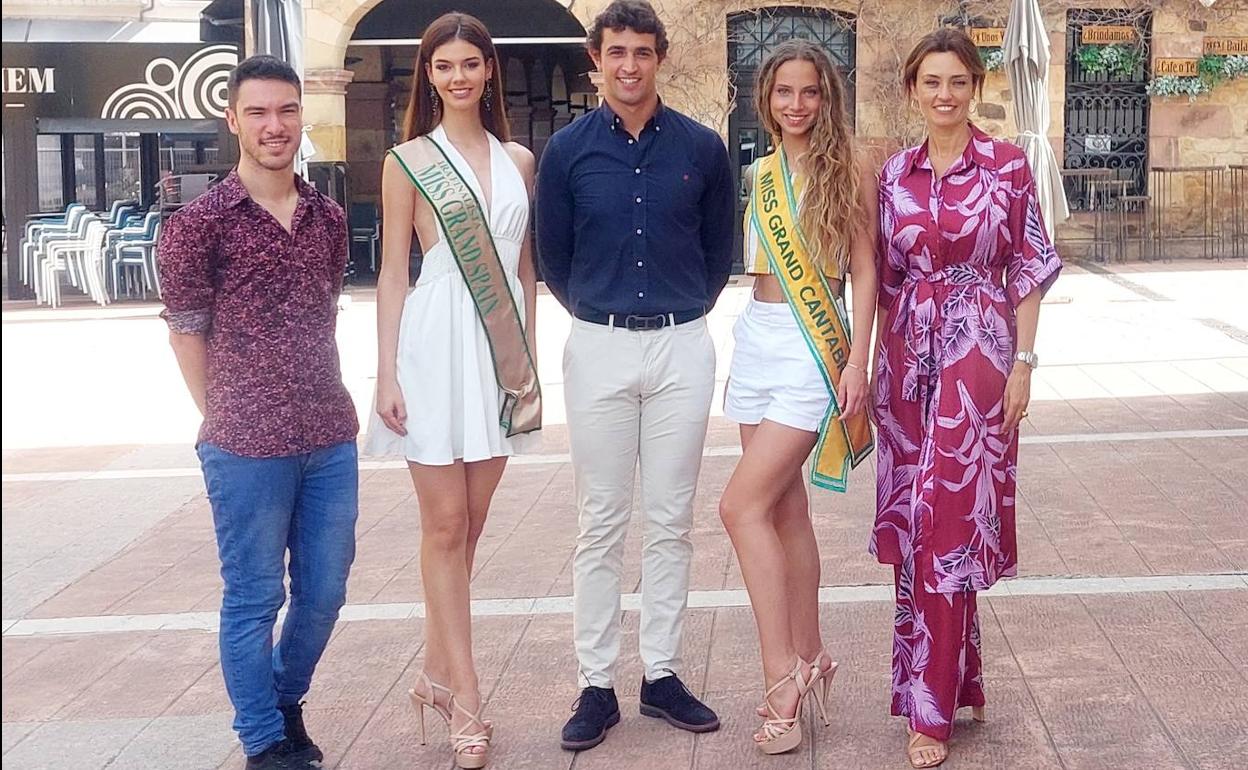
(830, 209)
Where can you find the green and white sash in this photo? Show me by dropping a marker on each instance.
(843, 443)
(468, 235)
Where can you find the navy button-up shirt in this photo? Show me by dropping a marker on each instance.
(635, 225)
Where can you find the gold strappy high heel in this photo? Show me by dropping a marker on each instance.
(463, 742)
(780, 734)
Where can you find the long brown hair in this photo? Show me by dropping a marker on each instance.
(424, 112)
(830, 211)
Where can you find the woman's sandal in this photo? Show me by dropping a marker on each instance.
(821, 682)
(821, 675)
(780, 734)
(924, 750)
(463, 742)
(424, 701)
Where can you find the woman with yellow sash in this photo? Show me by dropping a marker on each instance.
(796, 383)
(455, 348)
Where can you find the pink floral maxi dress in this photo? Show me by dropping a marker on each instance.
(958, 255)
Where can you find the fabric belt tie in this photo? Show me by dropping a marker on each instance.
(928, 293)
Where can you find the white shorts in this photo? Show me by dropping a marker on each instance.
(773, 375)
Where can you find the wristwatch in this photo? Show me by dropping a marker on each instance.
(1027, 357)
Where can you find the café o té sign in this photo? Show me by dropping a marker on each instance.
(1186, 68)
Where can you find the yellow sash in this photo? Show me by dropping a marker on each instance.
(842, 444)
(471, 242)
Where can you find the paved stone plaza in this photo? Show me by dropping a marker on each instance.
(1124, 643)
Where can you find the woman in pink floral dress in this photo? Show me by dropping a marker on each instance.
(964, 261)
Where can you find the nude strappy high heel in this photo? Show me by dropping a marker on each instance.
(463, 742)
(821, 683)
(780, 734)
(430, 701)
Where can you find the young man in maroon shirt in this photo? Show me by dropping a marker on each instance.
(251, 273)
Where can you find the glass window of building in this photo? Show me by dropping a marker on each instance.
(51, 189)
(84, 171)
(122, 164)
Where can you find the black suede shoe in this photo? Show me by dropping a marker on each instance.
(297, 734)
(597, 711)
(281, 756)
(669, 699)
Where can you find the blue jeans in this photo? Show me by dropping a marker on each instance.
(261, 508)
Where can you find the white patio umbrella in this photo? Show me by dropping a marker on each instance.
(279, 32)
(1026, 53)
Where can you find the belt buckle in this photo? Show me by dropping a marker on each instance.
(641, 323)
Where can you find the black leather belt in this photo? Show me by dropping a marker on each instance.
(638, 323)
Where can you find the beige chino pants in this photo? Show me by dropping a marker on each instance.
(635, 398)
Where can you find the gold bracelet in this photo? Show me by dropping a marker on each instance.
(855, 366)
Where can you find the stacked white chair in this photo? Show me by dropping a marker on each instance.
(81, 259)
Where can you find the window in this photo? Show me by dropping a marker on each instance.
(85, 188)
(51, 189)
(122, 162)
(182, 154)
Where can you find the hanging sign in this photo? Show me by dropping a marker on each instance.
(1227, 46)
(988, 37)
(1107, 35)
(1178, 67)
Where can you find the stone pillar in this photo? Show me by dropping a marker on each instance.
(325, 109)
(368, 137)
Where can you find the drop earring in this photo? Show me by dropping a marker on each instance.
(433, 97)
(488, 97)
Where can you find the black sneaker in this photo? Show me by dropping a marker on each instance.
(597, 711)
(281, 756)
(669, 699)
(297, 734)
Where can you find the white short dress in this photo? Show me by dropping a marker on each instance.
(444, 365)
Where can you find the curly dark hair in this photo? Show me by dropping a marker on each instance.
(637, 15)
(260, 67)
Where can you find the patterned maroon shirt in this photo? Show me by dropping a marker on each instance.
(267, 301)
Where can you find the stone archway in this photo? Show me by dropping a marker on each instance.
(331, 25)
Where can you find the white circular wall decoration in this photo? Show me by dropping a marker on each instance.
(196, 90)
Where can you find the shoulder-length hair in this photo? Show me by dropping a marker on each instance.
(425, 112)
(830, 210)
(945, 40)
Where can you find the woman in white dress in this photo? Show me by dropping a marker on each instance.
(438, 397)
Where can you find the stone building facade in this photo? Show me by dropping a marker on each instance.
(358, 55)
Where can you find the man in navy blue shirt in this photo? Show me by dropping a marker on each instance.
(635, 222)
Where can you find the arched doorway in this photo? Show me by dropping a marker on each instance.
(751, 36)
(537, 42)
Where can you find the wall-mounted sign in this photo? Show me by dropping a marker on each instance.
(1179, 67)
(988, 37)
(118, 80)
(1227, 46)
(1107, 35)
(29, 80)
